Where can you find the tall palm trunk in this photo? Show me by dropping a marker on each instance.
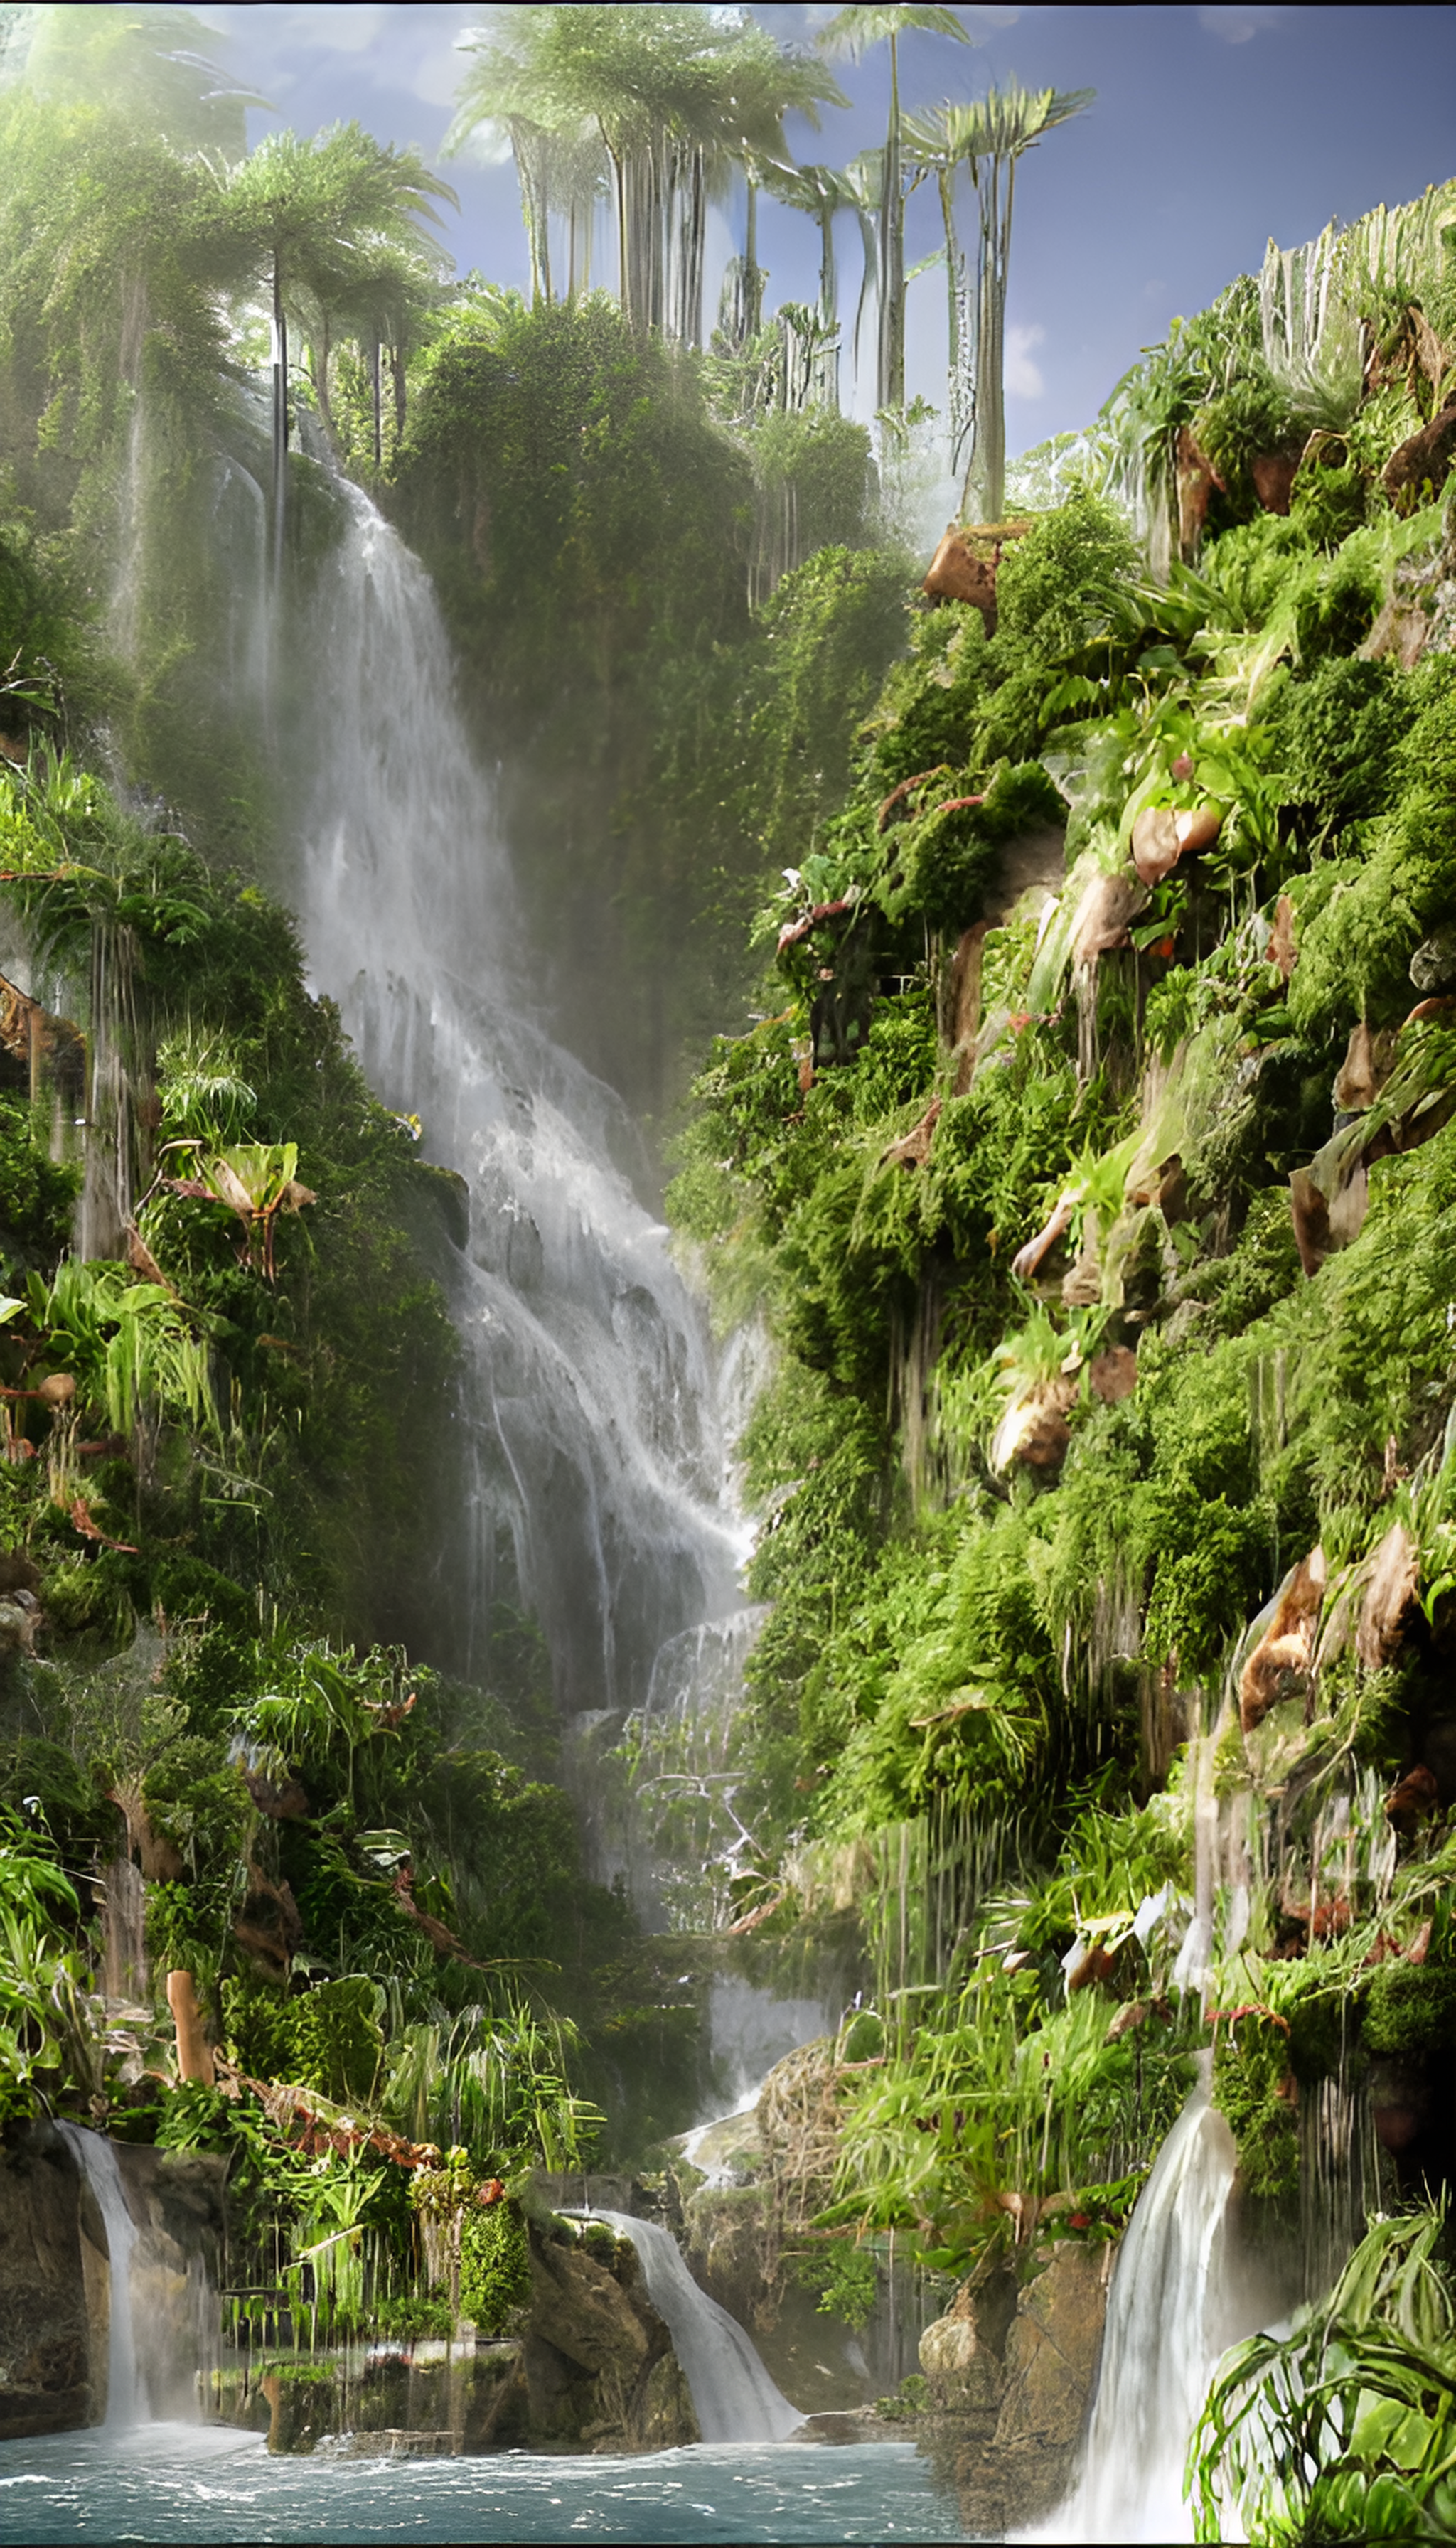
(891, 382)
(985, 478)
(280, 416)
(828, 367)
(401, 390)
(530, 153)
(753, 277)
(690, 190)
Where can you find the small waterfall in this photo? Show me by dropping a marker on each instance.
(733, 2397)
(97, 2160)
(124, 1973)
(1169, 2319)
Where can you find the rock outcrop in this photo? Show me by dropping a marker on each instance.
(55, 2290)
(1011, 2368)
(590, 2369)
(599, 2367)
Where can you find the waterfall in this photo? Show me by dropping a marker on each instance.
(97, 2160)
(598, 1494)
(1169, 2319)
(733, 2395)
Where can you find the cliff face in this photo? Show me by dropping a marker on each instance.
(55, 2281)
(1092, 1171)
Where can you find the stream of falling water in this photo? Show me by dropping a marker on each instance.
(97, 2160)
(600, 1493)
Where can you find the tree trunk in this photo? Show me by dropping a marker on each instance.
(891, 384)
(985, 476)
(753, 280)
(280, 416)
(396, 377)
(321, 378)
(378, 408)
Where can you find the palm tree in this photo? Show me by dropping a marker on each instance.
(517, 91)
(821, 193)
(937, 145)
(995, 133)
(308, 216)
(853, 30)
(160, 64)
(678, 95)
(865, 186)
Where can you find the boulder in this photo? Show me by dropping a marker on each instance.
(1011, 2369)
(958, 574)
(599, 2368)
(1433, 964)
(1052, 2355)
(1106, 909)
(175, 2199)
(1196, 477)
(579, 2307)
(1369, 1058)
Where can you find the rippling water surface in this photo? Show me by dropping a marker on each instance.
(172, 2482)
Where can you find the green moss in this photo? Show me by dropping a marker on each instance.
(1251, 2089)
(494, 2265)
(1410, 2008)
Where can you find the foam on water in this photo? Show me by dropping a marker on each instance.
(173, 2483)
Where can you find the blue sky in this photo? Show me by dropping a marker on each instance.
(1214, 127)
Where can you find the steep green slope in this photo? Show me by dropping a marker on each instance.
(1093, 1177)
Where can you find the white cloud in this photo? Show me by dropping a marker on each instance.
(346, 29)
(1237, 25)
(1022, 379)
(437, 78)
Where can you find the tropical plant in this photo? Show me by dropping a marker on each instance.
(494, 2083)
(1311, 333)
(47, 2035)
(254, 1180)
(851, 32)
(993, 138)
(1345, 2428)
(821, 193)
(157, 66)
(314, 220)
(130, 1344)
(679, 95)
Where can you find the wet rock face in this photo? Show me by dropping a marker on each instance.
(54, 2288)
(176, 2202)
(1011, 2367)
(599, 2363)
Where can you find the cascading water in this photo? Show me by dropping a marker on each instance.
(596, 1454)
(96, 2158)
(733, 2396)
(1169, 2319)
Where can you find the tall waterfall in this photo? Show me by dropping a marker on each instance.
(1169, 2319)
(96, 2158)
(733, 2396)
(597, 1468)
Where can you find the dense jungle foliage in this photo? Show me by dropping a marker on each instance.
(1089, 1170)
